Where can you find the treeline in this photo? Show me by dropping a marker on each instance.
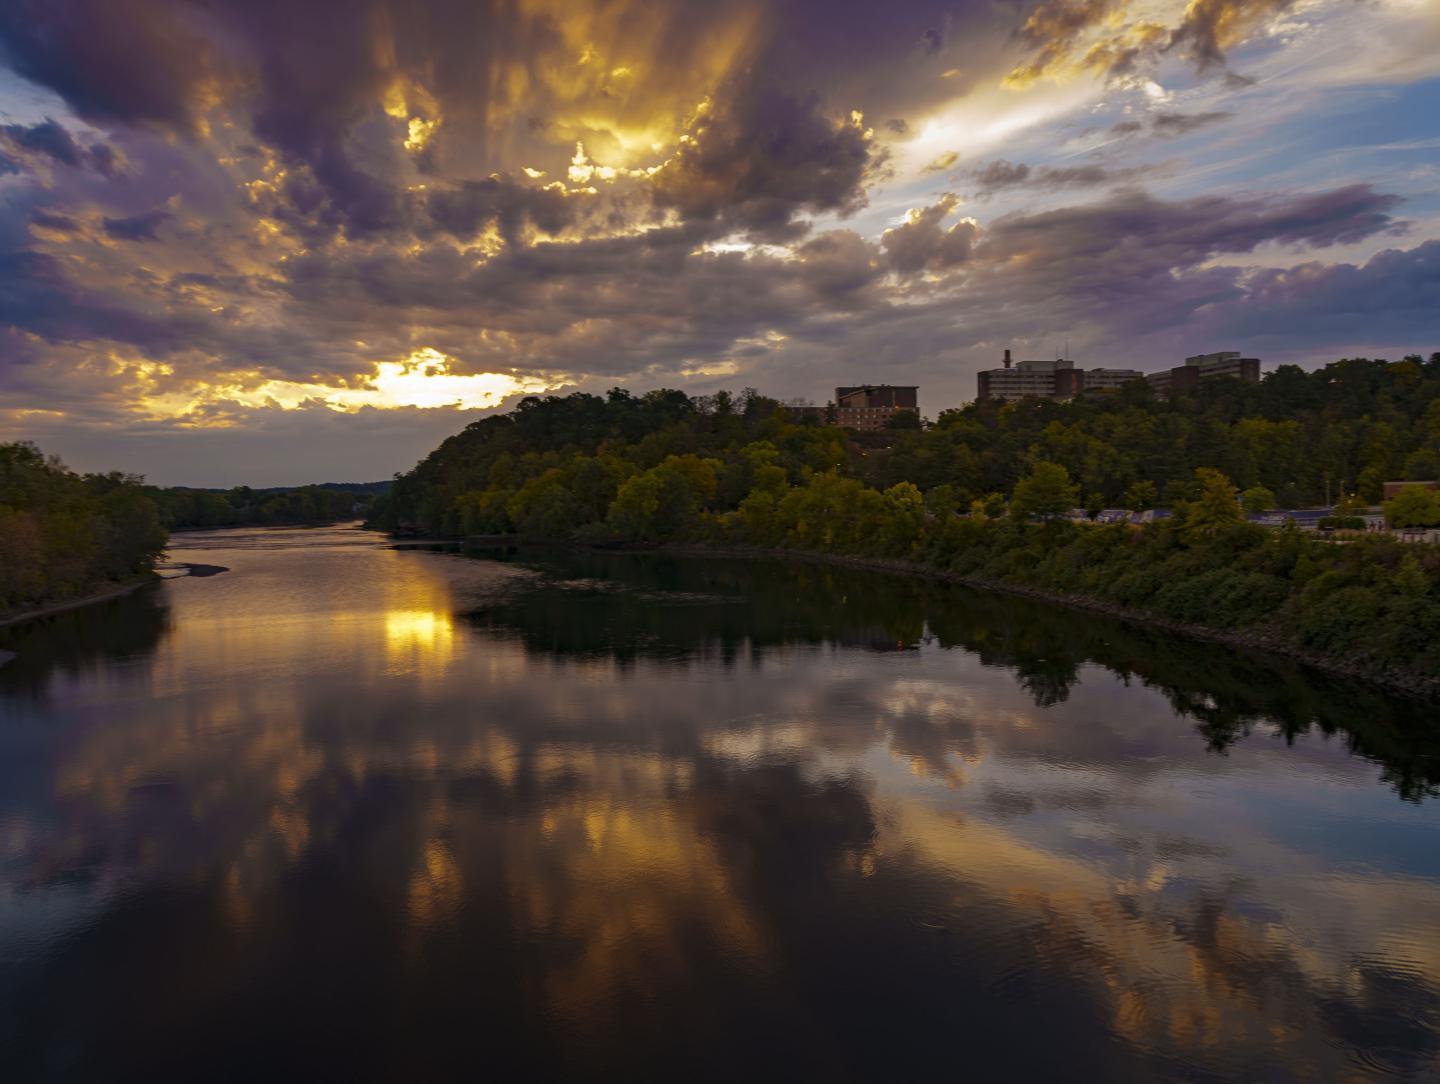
(980, 493)
(1296, 439)
(194, 509)
(1306, 437)
(63, 534)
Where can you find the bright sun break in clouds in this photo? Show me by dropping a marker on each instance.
(305, 229)
(422, 380)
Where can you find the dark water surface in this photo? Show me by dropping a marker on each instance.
(350, 812)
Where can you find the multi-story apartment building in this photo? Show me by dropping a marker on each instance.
(1102, 379)
(871, 406)
(1058, 379)
(1203, 367)
(1062, 379)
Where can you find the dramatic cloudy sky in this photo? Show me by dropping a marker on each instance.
(272, 241)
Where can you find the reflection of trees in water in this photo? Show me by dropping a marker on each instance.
(581, 912)
(77, 640)
(630, 606)
(590, 901)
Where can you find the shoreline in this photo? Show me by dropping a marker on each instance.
(1395, 681)
(64, 605)
(104, 594)
(260, 526)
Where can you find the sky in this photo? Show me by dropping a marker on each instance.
(269, 243)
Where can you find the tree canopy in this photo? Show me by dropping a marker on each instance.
(62, 534)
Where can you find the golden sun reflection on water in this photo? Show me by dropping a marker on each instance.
(411, 632)
(639, 827)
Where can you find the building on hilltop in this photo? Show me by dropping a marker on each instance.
(1203, 367)
(1058, 379)
(1062, 379)
(871, 406)
(1106, 379)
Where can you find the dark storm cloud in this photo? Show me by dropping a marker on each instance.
(1001, 174)
(761, 158)
(298, 191)
(923, 243)
(150, 62)
(37, 296)
(1102, 36)
(1395, 293)
(1178, 124)
(470, 207)
(52, 140)
(1170, 125)
(839, 268)
(1209, 27)
(650, 299)
(133, 61)
(49, 221)
(308, 78)
(308, 81)
(48, 138)
(141, 227)
(1139, 230)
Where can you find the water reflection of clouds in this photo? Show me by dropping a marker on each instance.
(649, 826)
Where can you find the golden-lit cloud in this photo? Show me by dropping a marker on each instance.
(505, 199)
(424, 380)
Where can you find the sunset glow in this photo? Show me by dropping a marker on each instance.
(195, 234)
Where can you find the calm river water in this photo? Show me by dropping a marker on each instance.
(351, 812)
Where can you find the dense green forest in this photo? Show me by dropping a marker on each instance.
(62, 534)
(977, 493)
(191, 509)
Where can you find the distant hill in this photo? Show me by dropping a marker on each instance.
(184, 507)
(358, 488)
(348, 487)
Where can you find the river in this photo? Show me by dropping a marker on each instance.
(354, 812)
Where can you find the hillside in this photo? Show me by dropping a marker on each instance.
(975, 494)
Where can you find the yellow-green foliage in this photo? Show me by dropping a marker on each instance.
(985, 491)
(61, 534)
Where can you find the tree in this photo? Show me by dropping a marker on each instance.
(1141, 496)
(940, 502)
(1257, 499)
(1414, 506)
(1350, 506)
(990, 506)
(903, 419)
(1046, 491)
(1410, 579)
(1215, 508)
(1423, 465)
